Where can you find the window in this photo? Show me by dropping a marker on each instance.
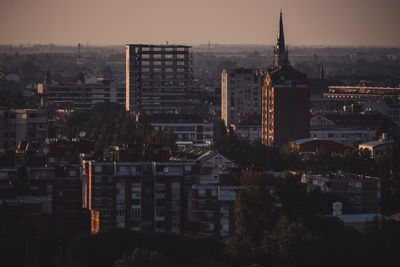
(136, 215)
(201, 192)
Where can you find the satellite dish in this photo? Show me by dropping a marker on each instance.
(47, 140)
(165, 169)
(52, 140)
(82, 134)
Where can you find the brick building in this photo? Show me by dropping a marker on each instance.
(139, 189)
(286, 101)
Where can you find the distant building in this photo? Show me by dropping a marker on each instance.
(241, 91)
(376, 148)
(286, 100)
(81, 96)
(345, 128)
(185, 127)
(363, 92)
(158, 78)
(363, 192)
(248, 127)
(22, 125)
(311, 145)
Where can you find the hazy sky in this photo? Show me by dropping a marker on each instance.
(102, 22)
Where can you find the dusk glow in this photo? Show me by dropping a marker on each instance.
(104, 22)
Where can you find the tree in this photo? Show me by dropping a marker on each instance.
(142, 258)
(290, 243)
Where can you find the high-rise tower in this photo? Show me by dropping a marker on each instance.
(158, 78)
(285, 100)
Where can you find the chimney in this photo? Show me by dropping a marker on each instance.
(337, 208)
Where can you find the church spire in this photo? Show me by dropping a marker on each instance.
(280, 53)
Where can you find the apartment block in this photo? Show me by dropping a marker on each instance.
(213, 195)
(158, 78)
(139, 194)
(187, 128)
(241, 91)
(80, 95)
(22, 125)
(363, 192)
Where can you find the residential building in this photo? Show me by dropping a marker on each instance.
(213, 195)
(313, 145)
(363, 192)
(286, 101)
(22, 125)
(143, 191)
(82, 95)
(241, 91)
(158, 78)
(248, 127)
(345, 128)
(187, 128)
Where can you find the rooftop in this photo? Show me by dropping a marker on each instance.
(176, 118)
(249, 120)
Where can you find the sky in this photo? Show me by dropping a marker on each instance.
(118, 22)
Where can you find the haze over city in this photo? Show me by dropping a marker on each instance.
(104, 22)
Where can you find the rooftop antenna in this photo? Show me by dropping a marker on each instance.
(79, 53)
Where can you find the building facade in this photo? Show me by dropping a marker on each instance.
(82, 96)
(345, 128)
(249, 127)
(363, 192)
(187, 128)
(158, 78)
(286, 101)
(22, 125)
(241, 91)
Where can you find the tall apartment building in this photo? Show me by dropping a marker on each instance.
(286, 103)
(241, 91)
(158, 78)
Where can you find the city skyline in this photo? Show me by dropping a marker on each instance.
(311, 22)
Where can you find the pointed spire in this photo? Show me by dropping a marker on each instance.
(281, 36)
(280, 50)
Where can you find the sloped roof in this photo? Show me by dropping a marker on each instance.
(176, 118)
(249, 120)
